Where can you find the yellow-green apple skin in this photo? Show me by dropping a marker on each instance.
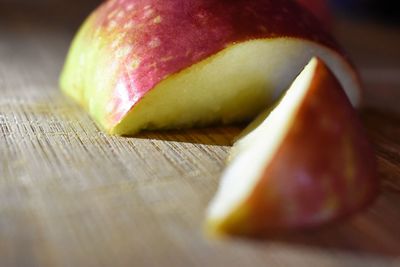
(305, 164)
(155, 64)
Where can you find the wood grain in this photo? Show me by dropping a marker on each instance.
(73, 196)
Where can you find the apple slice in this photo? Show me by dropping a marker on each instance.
(150, 64)
(305, 163)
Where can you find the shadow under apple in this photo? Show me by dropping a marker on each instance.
(216, 136)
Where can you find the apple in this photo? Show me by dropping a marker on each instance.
(151, 64)
(319, 8)
(303, 164)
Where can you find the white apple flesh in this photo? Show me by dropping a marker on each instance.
(234, 85)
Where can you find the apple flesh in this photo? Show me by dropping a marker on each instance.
(305, 163)
(151, 64)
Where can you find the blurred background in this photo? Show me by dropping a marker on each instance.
(66, 11)
(45, 13)
(69, 11)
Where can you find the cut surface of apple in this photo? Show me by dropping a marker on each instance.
(305, 163)
(150, 64)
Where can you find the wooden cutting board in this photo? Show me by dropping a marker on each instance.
(73, 196)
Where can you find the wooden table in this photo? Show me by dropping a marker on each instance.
(73, 196)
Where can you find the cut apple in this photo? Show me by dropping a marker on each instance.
(305, 163)
(149, 64)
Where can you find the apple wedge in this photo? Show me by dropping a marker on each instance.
(150, 64)
(305, 163)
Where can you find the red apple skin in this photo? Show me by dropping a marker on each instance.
(324, 169)
(319, 8)
(164, 37)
